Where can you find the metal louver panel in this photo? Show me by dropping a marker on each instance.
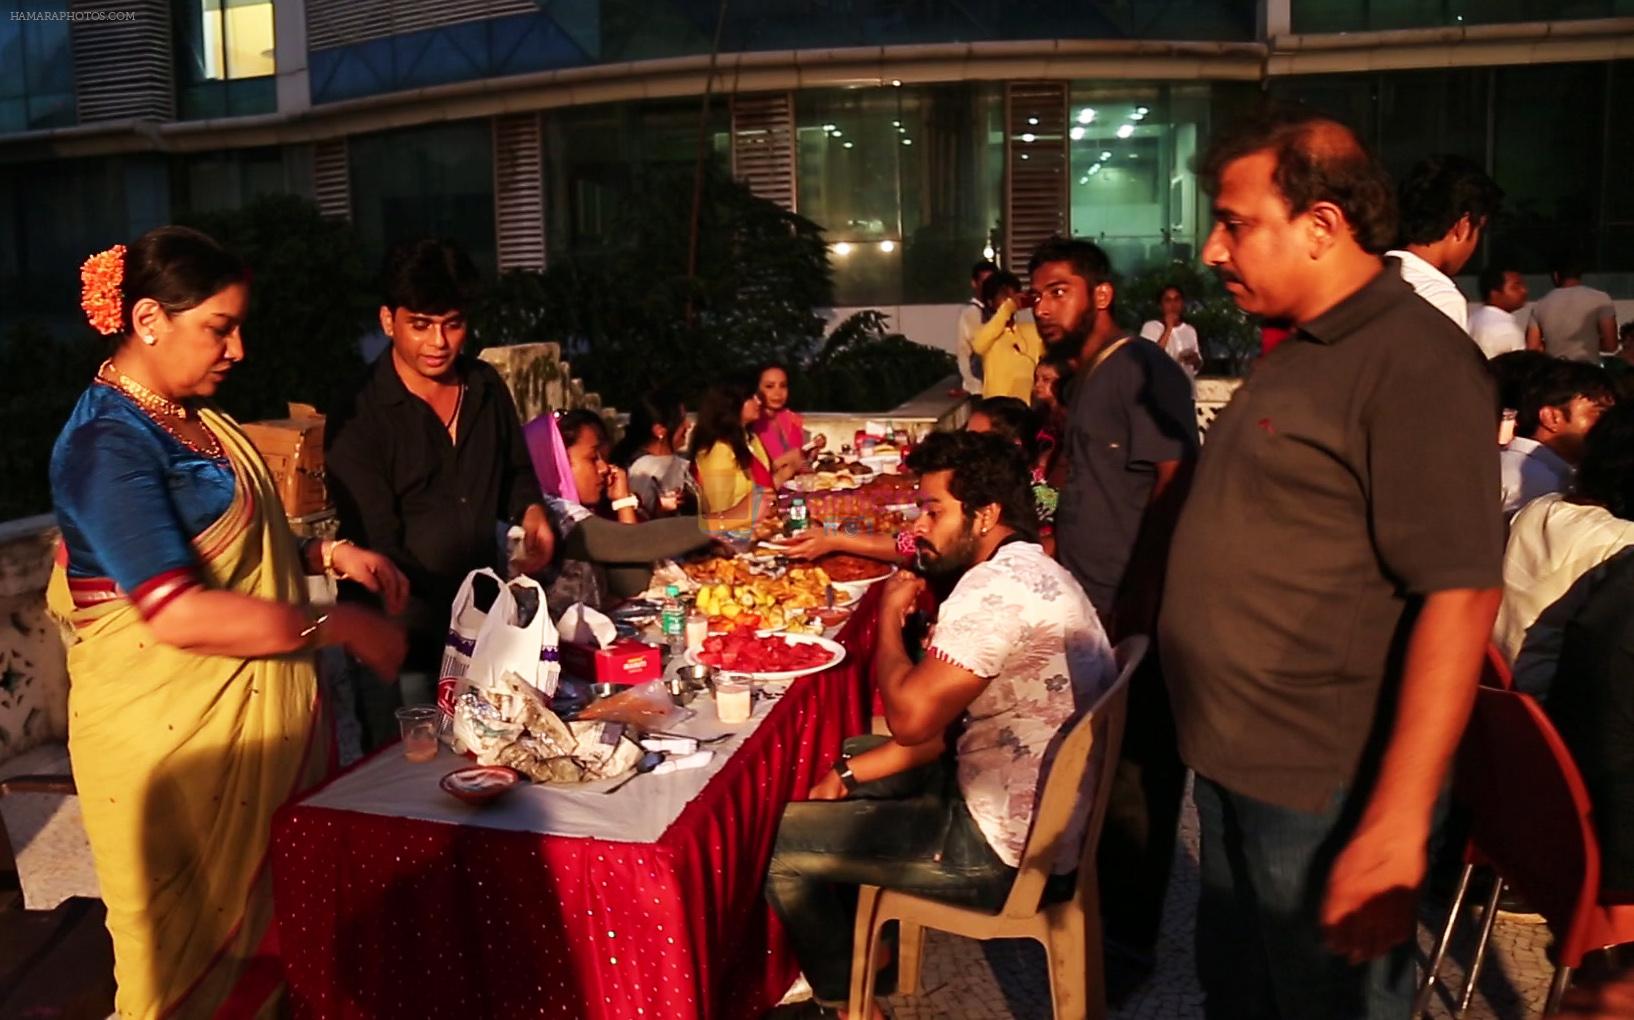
(332, 179)
(338, 22)
(763, 146)
(123, 68)
(1035, 163)
(519, 194)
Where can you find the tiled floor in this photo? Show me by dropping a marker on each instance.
(59, 965)
(964, 980)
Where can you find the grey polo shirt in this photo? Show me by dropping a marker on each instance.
(1353, 472)
(1124, 418)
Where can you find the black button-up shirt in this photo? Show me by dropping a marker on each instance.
(1356, 470)
(436, 507)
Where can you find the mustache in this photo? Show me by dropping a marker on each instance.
(1227, 276)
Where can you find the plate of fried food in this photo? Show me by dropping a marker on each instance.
(847, 571)
(778, 603)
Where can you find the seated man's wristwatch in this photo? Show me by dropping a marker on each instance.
(842, 768)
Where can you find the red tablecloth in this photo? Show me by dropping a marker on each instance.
(392, 917)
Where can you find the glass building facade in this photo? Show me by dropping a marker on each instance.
(908, 181)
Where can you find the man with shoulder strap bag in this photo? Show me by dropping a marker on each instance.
(1130, 441)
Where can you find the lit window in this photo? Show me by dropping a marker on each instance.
(235, 39)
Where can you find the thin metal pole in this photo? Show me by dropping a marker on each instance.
(698, 165)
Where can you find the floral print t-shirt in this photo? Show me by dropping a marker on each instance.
(1022, 622)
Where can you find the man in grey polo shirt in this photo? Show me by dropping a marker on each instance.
(1331, 587)
(1573, 321)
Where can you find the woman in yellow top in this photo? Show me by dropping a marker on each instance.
(1009, 350)
(737, 480)
(193, 701)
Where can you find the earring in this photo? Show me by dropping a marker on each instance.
(149, 339)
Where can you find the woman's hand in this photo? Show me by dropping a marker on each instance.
(376, 642)
(813, 544)
(538, 541)
(618, 483)
(374, 572)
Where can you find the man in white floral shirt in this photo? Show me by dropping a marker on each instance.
(1017, 653)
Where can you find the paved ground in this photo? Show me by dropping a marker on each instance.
(59, 965)
(965, 980)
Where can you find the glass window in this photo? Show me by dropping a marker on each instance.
(428, 181)
(36, 69)
(906, 183)
(1547, 155)
(1362, 15)
(226, 180)
(227, 39)
(1432, 112)
(1132, 187)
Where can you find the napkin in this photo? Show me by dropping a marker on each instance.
(696, 760)
(583, 625)
(670, 745)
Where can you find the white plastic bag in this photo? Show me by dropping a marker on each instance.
(504, 645)
(465, 622)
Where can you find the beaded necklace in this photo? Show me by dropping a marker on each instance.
(162, 410)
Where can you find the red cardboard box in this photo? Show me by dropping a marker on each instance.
(625, 661)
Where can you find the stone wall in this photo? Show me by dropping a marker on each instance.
(539, 379)
(33, 659)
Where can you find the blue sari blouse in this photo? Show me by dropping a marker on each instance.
(130, 497)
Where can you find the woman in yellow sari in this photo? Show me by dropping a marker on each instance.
(193, 702)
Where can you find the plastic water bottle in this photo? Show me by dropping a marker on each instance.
(673, 620)
(798, 516)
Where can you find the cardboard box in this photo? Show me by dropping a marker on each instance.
(293, 450)
(625, 661)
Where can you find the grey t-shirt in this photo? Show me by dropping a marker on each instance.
(652, 475)
(1569, 319)
(1123, 419)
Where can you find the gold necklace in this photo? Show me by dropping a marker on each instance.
(160, 409)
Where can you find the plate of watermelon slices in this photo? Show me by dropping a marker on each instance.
(770, 657)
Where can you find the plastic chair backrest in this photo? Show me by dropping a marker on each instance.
(1495, 671)
(1529, 810)
(1098, 732)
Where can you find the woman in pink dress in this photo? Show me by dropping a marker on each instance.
(780, 430)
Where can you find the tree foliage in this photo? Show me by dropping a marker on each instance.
(311, 297)
(630, 319)
(1228, 336)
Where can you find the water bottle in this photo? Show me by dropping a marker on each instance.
(673, 619)
(798, 517)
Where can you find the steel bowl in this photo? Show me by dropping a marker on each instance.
(607, 690)
(682, 691)
(699, 676)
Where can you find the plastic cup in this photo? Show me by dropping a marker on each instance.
(733, 700)
(697, 631)
(419, 724)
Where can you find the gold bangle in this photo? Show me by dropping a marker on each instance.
(328, 550)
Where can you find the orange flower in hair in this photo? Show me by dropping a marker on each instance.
(100, 296)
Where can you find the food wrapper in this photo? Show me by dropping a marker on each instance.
(509, 724)
(648, 707)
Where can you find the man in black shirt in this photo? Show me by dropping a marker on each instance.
(428, 464)
(1331, 589)
(1130, 441)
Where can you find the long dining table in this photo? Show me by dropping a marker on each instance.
(394, 899)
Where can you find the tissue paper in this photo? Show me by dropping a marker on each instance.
(585, 626)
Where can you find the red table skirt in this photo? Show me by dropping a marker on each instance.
(393, 917)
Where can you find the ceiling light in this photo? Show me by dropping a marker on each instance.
(896, 83)
(1028, 137)
(1143, 111)
(1106, 154)
(896, 123)
(1095, 169)
(828, 127)
(835, 132)
(1077, 134)
(849, 144)
(907, 141)
(1033, 121)
(987, 251)
(1025, 156)
(1086, 115)
(1125, 130)
(887, 246)
(842, 249)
